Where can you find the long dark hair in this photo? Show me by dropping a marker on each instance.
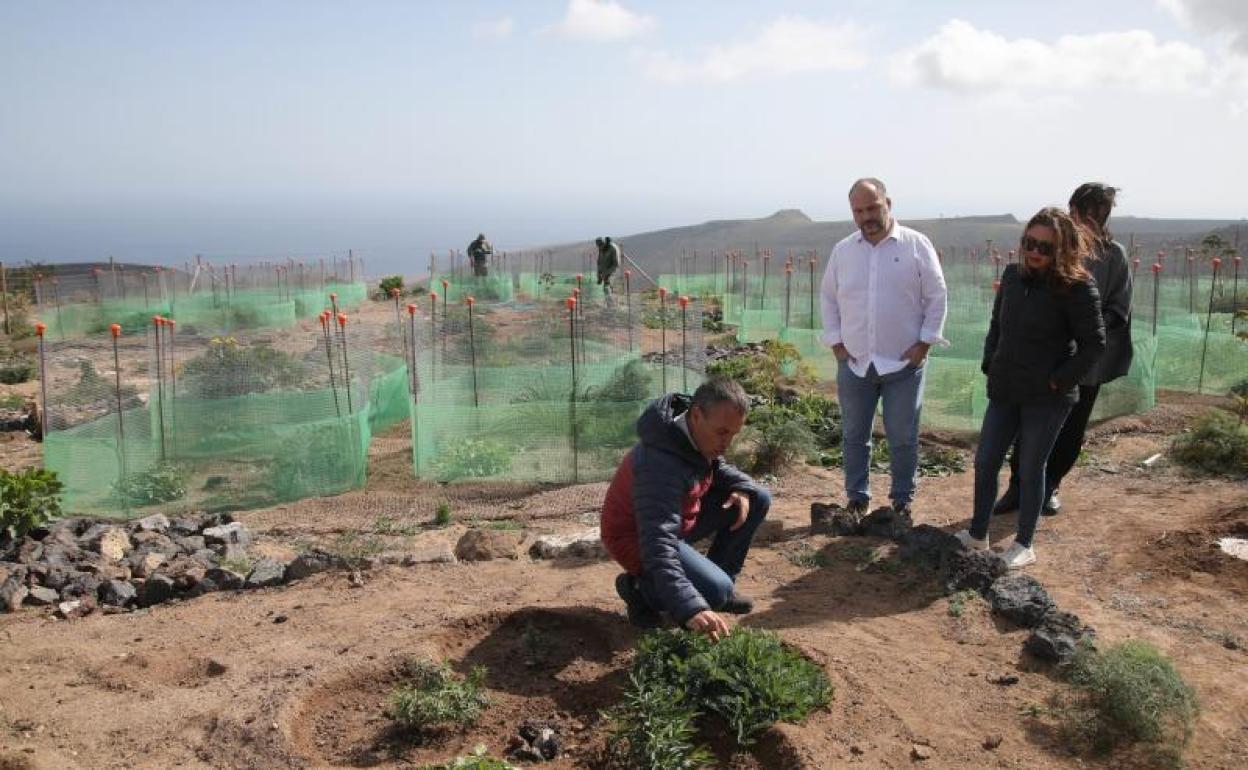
(1093, 202)
(1073, 246)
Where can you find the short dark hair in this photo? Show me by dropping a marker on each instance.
(869, 180)
(720, 390)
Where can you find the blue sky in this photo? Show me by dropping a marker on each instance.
(155, 130)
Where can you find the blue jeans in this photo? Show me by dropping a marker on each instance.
(902, 393)
(714, 574)
(1036, 427)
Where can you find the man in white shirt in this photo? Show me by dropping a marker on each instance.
(884, 302)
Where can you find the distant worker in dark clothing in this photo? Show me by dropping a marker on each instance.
(1090, 205)
(673, 489)
(480, 251)
(608, 263)
(1045, 335)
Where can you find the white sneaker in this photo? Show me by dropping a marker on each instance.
(972, 543)
(1019, 556)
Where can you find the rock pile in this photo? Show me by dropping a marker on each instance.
(1019, 598)
(79, 565)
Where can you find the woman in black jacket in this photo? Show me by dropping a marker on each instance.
(1090, 206)
(1046, 334)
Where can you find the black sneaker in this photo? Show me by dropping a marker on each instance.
(738, 604)
(857, 506)
(1051, 505)
(1008, 502)
(640, 614)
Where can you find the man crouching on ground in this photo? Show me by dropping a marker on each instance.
(672, 489)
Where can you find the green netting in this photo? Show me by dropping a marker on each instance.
(228, 422)
(490, 288)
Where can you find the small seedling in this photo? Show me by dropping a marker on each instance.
(435, 695)
(387, 525)
(807, 557)
(240, 565)
(958, 602)
(477, 760)
(442, 516)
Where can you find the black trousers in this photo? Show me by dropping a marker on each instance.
(1068, 444)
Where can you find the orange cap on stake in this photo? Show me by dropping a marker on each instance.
(1156, 267)
(1217, 262)
(788, 268)
(333, 295)
(445, 283)
(571, 302)
(411, 309)
(1238, 259)
(996, 285)
(342, 319)
(580, 276)
(171, 321)
(576, 292)
(40, 328)
(433, 295)
(662, 292)
(470, 301)
(813, 262)
(115, 329)
(684, 301)
(156, 320)
(628, 273)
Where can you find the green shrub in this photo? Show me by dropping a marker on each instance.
(1217, 444)
(761, 373)
(162, 483)
(91, 387)
(933, 460)
(477, 760)
(774, 446)
(442, 516)
(28, 499)
(15, 368)
(630, 382)
(473, 458)
(435, 695)
(388, 283)
(1130, 694)
(749, 680)
(228, 368)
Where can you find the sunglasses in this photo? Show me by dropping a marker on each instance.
(1047, 248)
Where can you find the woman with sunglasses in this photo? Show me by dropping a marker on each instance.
(1046, 334)
(1090, 206)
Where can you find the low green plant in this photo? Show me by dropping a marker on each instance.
(761, 373)
(933, 460)
(1130, 694)
(228, 368)
(11, 401)
(630, 382)
(28, 499)
(15, 368)
(388, 283)
(161, 483)
(388, 525)
(354, 548)
(433, 695)
(773, 446)
(473, 458)
(958, 602)
(442, 516)
(477, 760)
(239, 565)
(807, 557)
(1217, 444)
(749, 680)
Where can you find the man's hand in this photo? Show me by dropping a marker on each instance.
(708, 623)
(916, 354)
(840, 351)
(742, 501)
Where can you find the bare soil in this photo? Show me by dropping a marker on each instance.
(298, 676)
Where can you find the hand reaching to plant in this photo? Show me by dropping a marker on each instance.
(708, 623)
(742, 501)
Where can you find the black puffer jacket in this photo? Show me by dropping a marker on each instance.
(666, 468)
(1042, 340)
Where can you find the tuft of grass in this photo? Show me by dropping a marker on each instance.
(807, 557)
(442, 516)
(435, 695)
(354, 548)
(749, 680)
(388, 525)
(1130, 694)
(240, 565)
(11, 401)
(958, 602)
(773, 446)
(477, 760)
(1217, 445)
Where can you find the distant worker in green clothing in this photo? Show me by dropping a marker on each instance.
(608, 263)
(480, 251)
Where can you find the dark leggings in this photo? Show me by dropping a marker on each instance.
(1068, 445)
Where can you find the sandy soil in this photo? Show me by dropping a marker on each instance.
(297, 676)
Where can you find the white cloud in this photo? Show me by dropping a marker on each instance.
(496, 29)
(960, 57)
(601, 20)
(1218, 17)
(786, 46)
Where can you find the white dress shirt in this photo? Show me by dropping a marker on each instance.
(880, 299)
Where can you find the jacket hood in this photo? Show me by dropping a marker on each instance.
(657, 427)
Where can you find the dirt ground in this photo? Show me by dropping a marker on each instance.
(297, 676)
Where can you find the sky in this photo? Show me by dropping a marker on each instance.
(152, 130)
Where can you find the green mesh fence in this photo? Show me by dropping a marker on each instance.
(172, 421)
(537, 392)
